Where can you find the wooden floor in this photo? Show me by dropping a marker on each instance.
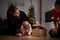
(26, 38)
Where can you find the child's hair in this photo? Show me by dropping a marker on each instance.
(25, 23)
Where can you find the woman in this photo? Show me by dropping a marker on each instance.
(15, 17)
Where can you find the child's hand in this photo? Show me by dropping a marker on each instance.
(25, 32)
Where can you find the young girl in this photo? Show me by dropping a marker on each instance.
(26, 29)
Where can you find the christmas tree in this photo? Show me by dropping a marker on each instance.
(31, 14)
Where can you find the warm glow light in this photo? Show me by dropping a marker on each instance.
(52, 17)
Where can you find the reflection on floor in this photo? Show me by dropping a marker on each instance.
(26, 38)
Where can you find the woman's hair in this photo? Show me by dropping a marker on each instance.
(12, 8)
(57, 2)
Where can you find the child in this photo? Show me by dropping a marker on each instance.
(26, 29)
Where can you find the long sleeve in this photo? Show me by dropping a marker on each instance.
(30, 30)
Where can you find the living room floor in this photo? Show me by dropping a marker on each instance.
(26, 38)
